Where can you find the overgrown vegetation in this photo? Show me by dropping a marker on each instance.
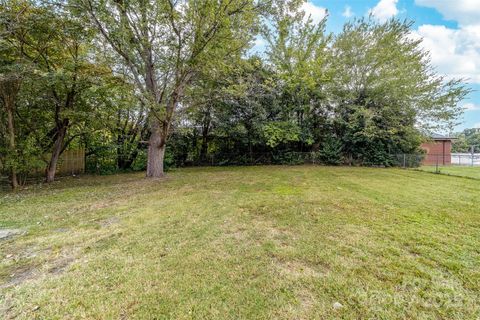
(270, 242)
(140, 84)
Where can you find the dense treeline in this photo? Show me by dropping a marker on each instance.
(140, 84)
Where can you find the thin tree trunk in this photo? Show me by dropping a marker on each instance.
(132, 155)
(204, 146)
(11, 141)
(120, 152)
(8, 92)
(57, 150)
(204, 149)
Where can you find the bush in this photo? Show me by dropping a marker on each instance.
(331, 151)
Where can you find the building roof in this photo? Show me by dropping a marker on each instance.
(437, 136)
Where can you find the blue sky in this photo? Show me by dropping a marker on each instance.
(450, 30)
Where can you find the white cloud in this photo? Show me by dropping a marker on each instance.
(464, 11)
(384, 10)
(347, 13)
(455, 52)
(315, 12)
(471, 106)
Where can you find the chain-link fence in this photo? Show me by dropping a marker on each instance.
(405, 160)
(465, 159)
(437, 160)
(75, 162)
(455, 164)
(107, 162)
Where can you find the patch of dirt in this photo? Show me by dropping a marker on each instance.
(61, 265)
(20, 276)
(27, 253)
(10, 233)
(31, 272)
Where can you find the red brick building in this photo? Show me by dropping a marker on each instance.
(438, 150)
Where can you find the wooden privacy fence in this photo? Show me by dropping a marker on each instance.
(71, 162)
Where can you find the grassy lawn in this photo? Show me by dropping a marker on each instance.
(244, 243)
(461, 171)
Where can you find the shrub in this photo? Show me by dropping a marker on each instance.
(331, 151)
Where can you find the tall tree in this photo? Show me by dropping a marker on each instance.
(385, 93)
(297, 51)
(163, 43)
(56, 46)
(71, 74)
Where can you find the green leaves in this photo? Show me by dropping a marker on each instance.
(118, 70)
(280, 132)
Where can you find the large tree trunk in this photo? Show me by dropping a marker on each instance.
(160, 128)
(159, 134)
(11, 141)
(57, 150)
(156, 153)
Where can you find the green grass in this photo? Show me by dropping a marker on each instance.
(244, 243)
(460, 171)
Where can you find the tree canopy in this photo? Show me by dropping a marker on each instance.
(153, 84)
